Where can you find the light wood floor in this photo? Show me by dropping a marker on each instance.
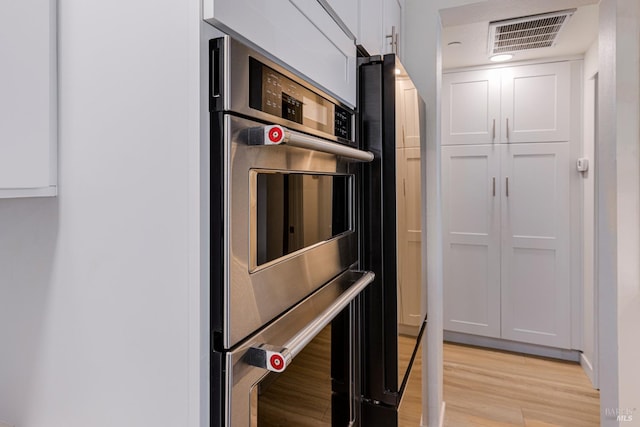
(493, 388)
(482, 387)
(410, 410)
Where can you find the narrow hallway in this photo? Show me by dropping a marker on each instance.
(484, 387)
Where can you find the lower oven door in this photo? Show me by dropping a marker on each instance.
(302, 369)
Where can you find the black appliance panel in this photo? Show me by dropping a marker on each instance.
(383, 382)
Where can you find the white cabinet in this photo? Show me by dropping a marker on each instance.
(345, 11)
(374, 24)
(471, 238)
(527, 103)
(371, 28)
(535, 102)
(28, 100)
(380, 26)
(471, 107)
(536, 294)
(507, 202)
(392, 21)
(506, 241)
(298, 33)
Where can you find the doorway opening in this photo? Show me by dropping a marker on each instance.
(518, 208)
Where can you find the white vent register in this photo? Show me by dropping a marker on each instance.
(527, 32)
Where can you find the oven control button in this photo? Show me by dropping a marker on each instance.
(273, 135)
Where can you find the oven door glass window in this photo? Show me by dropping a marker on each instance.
(301, 395)
(294, 211)
(317, 389)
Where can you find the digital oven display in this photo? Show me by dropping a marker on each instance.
(280, 96)
(291, 108)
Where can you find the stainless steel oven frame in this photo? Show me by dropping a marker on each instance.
(278, 307)
(253, 296)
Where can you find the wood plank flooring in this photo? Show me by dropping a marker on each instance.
(410, 410)
(485, 387)
(482, 387)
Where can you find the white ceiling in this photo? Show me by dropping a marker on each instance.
(469, 25)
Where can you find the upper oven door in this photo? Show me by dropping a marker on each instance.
(289, 227)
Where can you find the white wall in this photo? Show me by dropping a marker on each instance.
(422, 59)
(588, 358)
(628, 214)
(99, 287)
(618, 192)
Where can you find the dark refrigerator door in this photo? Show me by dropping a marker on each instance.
(385, 369)
(377, 135)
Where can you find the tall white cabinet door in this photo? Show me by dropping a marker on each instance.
(409, 236)
(471, 222)
(471, 107)
(535, 103)
(535, 244)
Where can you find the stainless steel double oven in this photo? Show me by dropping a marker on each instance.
(284, 246)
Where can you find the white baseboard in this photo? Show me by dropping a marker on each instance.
(442, 409)
(587, 367)
(516, 347)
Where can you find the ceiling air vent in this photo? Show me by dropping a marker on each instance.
(527, 32)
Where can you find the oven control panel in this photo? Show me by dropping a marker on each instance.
(273, 93)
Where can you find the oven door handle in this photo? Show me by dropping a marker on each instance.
(276, 135)
(277, 358)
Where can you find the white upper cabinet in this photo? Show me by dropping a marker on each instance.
(28, 98)
(344, 11)
(380, 26)
(300, 34)
(528, 103)
(471, 107)
(370, 29)
(535, 103)
(392, 21)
